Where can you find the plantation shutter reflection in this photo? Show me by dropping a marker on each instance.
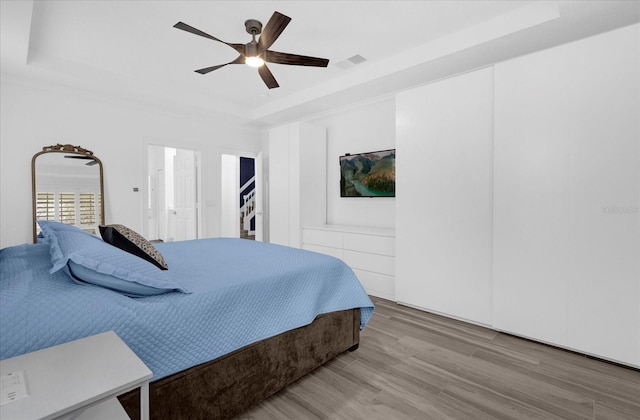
(45, 206)
(98, 209)
(88, 211)
(67, 206)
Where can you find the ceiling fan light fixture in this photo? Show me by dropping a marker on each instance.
(254, 61)
(251, 56)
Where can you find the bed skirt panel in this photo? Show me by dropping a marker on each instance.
(228, 386)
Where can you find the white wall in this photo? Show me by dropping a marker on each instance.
(278, 185)
(33, 117)
(297, 181)
(364, 127)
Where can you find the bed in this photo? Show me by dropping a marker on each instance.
(237, 320)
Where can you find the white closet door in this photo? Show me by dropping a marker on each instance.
(567, 187)
(444, 196)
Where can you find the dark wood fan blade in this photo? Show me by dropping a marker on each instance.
(267, 77)
(210, 69)
(272, 30)
(294, 59)
(191, 29)
(239, 60)
(91, 163)
(78, 157)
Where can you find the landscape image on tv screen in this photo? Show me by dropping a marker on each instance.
(370, 174)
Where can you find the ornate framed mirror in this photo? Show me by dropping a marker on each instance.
(67, 186)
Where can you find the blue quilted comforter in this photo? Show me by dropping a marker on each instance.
(242, 292)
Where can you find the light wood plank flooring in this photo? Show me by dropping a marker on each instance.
(416, 365)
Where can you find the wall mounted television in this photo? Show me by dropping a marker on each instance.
(371, 174)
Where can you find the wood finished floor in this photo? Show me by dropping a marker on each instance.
(416, 365)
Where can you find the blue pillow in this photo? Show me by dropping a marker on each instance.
(86, 258)
(49, 233)
(58, 227)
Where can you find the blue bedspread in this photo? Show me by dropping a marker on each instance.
(242, 292)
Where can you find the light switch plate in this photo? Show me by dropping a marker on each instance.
(13, 386)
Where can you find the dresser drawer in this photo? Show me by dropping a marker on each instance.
(373, 244)
(376, 284)
(322, 237)
(334, 252)
(370, 262)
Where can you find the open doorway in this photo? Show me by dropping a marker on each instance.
(247, 198)
(241, 210)
(173, 213)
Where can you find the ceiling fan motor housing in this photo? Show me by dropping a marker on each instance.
(253, 26)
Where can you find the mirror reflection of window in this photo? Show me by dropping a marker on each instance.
(80, 209)
(68, 189)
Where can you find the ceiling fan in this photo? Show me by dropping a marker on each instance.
(256, 53)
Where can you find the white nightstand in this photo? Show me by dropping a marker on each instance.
(78, 380)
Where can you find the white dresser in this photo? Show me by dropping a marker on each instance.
(370, 252)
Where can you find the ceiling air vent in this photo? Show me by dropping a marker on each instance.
(351, 62)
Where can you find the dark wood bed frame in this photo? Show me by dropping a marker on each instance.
(228, 386)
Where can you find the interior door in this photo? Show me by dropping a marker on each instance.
(230, 184)
(185, 195)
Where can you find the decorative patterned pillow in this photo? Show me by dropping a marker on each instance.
(126, 239)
